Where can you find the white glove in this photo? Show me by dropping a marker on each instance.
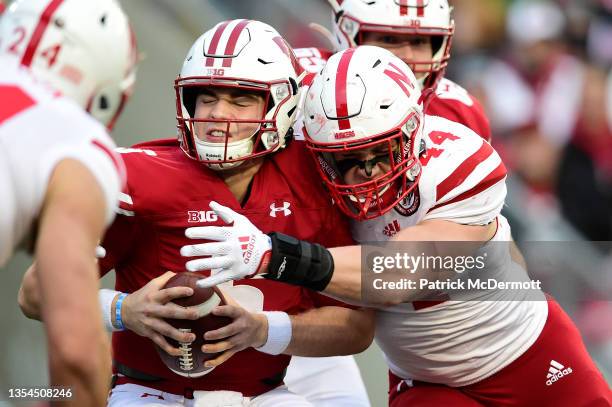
(237, 251)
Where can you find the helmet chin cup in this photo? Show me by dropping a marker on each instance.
(223, 156)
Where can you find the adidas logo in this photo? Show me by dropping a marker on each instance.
(556, 371)
(247, 244)
(392, 229)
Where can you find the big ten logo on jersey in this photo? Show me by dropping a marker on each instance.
(215, 72)
(201, 216)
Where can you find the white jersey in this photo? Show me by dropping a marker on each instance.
(38, 129)
(456, 342)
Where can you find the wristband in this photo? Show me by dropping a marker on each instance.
(279, 333)
(106, 297)
(118, 321)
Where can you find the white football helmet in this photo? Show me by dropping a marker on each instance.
(412, 17)
(365, 98)
(84, 49)
(248, 55)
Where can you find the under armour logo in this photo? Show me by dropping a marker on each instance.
(284, 209)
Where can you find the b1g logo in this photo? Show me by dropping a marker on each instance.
(215, 71)
(201, 216)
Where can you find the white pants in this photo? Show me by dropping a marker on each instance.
(327, 382)
(135, 395)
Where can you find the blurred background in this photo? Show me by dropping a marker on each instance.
(542, 69)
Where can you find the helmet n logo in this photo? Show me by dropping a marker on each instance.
(284, 209)
(399, 77)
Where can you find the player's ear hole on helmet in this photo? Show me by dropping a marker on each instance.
(103, 102)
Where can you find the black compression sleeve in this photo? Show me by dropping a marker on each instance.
(299, 262)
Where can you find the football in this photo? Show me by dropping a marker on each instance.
(191, 362)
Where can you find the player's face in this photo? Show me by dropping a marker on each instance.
(227, 104)
(364, 165)
(409, 48)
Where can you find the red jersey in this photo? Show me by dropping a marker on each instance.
(167, 193)
(450, 100)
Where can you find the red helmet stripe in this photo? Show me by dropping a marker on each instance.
(289, 52)
(233, 39)
(403, 7)
(420, 8)
(41, 27)
(214, 42)
(341, 103)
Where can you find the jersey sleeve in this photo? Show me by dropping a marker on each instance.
(120, 238)
(319, 300)
(470, 185)
(312, 59)
(453, 102)
(88, 144)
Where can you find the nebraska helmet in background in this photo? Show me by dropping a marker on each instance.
(247, 55)
(365, 98)
(411, 17)
(84, 49)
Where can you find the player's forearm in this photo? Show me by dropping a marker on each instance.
(338, 272)
(71, 224)
(331, 331)
(78, 347)
(29, 294)
(345, 283)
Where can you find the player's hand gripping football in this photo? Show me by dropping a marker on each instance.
(144, 312)
(238, 250)
(248, 329)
